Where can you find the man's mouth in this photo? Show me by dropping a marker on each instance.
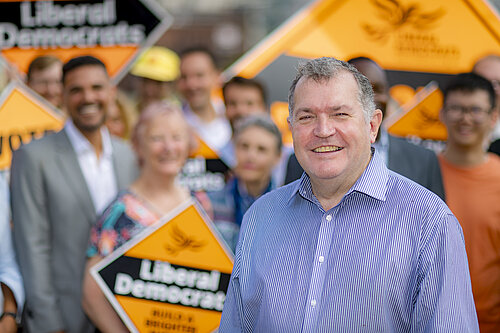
(327, 149)
(89, 109)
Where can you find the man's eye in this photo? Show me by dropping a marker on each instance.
(476, 110)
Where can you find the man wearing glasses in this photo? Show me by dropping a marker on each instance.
(471, 178)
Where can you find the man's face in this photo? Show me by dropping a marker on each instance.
(331, 137)
(87, 95)
(47, 83)
(198, 78)
(468, 117)
(378, 79)
(152, 91)
(242, 101)
(489, 68)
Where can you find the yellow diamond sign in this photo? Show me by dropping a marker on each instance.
(173, 277)
(433, 36)
(420, 117)
(204, 170)
(23, 117)
(114, 31)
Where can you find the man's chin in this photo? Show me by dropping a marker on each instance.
(89, 128)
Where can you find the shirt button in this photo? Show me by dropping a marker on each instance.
(329, 217)
(313, 302)
(321, 259)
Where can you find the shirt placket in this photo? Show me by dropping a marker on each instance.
(313, 303)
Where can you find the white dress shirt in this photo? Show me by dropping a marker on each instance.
(98, 172)
(216, 134)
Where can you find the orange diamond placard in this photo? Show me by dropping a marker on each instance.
(111, 30)
(203, 150)
(204, 170)
(172, 277)
(420, 117)
(24, 116)
(433, 36)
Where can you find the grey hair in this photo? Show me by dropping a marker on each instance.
(326, 68)
(261, 121)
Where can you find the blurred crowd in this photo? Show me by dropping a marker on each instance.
(119, 165)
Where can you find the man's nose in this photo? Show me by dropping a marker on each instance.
(324, 127)
(192, 82)
(89, 95)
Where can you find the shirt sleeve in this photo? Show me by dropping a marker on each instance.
(9, 270)
(232, 314)
(444, 302)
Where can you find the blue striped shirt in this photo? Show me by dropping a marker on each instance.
(390, 257)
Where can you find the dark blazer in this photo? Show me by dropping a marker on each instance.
(495, 147)
(52, 213)
(414, 162)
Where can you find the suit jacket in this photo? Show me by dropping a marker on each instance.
(412, 161)
(52, 212)
(416, 163)
(495, 147)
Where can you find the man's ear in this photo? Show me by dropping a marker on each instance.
(375, 123)
(494, 117)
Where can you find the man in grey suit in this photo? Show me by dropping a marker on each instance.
(412, 161)
(59, 184)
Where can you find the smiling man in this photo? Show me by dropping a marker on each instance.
(472, 183)
(59, 185)
(199, 77)
(351, 246)
(412, 161)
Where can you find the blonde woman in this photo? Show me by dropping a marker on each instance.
(162, 141)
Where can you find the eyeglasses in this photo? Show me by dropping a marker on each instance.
(456, 112)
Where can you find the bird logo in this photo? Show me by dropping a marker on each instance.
(427, 118)
(179, 241)
(396, 15)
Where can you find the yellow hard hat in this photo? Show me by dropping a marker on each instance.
(157, 63)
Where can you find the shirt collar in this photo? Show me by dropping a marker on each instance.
(373, 181)
(81, 144)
